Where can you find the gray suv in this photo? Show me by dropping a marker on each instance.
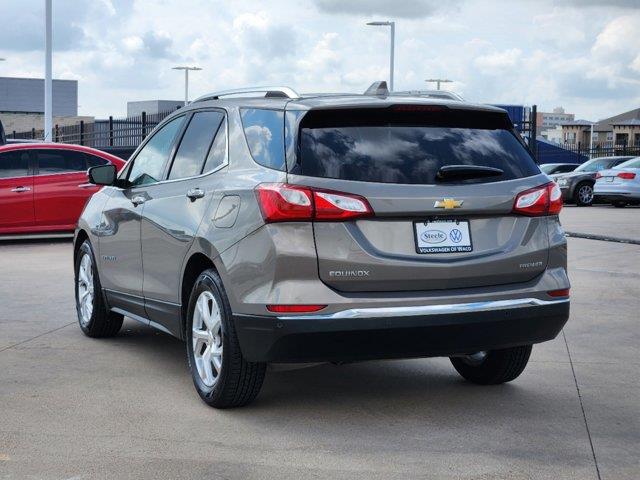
(264, 226)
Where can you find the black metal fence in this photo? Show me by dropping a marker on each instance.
(113, 132)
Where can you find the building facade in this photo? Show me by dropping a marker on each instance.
(621, 130)
(152, 107)
(26, 95)
(551, 120)
(22, 104)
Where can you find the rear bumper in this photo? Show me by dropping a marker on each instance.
(403, 332)
(609, 197)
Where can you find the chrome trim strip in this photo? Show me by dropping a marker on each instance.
(411, 311)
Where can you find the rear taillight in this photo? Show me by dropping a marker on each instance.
(294, 308)
(564, 292)
(281, 202)
(543, 200)
(626, 175)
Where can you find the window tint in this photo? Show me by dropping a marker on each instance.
(595, 165)
(633, 163)
(60, 161)
(148, 165)
(94, 161)
(264, 130)
(218, 153)
(567, 168)
(195, 144)
(619, 161)
(402, 147)
(14, 164)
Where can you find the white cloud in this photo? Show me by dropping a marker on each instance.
(119, 50)
(499, 62)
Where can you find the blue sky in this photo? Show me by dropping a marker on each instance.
(581, 54)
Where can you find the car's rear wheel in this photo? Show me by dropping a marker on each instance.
(583, 194)
(620, 204)
(494, 366)
(221, 375)
(94, 317)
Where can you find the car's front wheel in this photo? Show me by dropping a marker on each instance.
(494, 366)
(93, 315)
(583, 194)
(221, 375)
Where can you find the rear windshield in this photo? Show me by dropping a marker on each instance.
(401, 145)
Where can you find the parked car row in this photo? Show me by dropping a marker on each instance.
(577, 185)
(44, 186)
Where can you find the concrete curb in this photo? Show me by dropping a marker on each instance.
(603, 238)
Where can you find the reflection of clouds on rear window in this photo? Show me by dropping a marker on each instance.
(409, 154)
(264, 131)
(259, 139)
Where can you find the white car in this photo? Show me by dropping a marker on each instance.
(620, 185)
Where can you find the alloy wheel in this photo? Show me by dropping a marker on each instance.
(85, 289)
(207, 338)
(585, 194)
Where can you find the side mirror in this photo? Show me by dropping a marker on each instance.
(102, 175)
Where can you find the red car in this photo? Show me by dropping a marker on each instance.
(43, 186)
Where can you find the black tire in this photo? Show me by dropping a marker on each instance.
(620, 204)
(101, 322)
(499, 366)
(576, 194)
(238, 381)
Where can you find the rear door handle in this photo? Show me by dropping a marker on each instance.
(21, 189)
(138, 200)
(195, 193)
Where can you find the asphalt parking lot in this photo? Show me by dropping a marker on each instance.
(74, 407)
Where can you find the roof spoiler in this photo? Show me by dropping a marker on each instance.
(378, 89)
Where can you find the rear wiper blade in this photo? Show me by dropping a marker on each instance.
(458, 172)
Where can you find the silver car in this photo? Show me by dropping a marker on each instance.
(276, 227)
(620, 185)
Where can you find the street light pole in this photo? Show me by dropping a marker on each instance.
(392, 26)
(48, 99)
(186, 81)
(438, 81)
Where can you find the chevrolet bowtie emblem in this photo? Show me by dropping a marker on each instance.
(448, 203)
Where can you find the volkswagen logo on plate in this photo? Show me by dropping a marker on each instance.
(455, 235)
(433, 236)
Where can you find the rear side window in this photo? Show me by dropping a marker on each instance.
(408, 146)
(264, 131)
(195, 144)
(14, 164)
(60, 161)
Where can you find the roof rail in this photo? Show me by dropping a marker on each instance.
(270, 92)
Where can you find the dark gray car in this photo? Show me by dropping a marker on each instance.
(288, 228)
